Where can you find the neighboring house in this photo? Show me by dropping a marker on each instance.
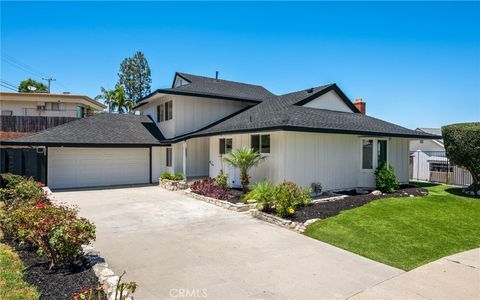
(47, 105)
(429, 162)
(312, 135)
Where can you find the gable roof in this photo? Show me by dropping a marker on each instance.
(435, 131)
(103, 129)
(286, 113)
(214, 88)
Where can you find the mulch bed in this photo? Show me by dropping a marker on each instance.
(57, 283)
(324, 210)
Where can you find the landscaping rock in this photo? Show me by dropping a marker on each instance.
(311, 221)
(376, 192)
(238, 207)
(173, 185)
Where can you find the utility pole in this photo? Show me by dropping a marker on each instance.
(49, 80)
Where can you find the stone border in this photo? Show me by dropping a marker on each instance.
(173, 185)
(295, 226)
(238, 207)
(106, 277)
(329, 199)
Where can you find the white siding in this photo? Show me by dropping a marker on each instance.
(197, 157)
(272, 168)
(190, 113)
(158, 162)
(331, 159)
(330, 101)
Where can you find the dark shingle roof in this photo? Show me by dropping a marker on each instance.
(101, 129)
(206, 86)
(282, 112)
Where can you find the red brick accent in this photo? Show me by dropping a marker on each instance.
(360, 105)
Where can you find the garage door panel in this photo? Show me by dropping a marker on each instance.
(86, 167)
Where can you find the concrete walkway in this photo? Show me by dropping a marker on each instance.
(173, 245)
(452, 277)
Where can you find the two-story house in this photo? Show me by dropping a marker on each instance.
(312, 135)
(47, 105)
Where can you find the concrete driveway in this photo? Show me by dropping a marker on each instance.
(170, 244)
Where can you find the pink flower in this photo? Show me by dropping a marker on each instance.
(41, 204)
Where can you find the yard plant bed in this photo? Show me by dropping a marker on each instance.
(322, 210)
(57, 283)
(406, 232)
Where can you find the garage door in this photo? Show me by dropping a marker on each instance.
(89, 167)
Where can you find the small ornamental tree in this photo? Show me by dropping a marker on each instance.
(244, 159)
(462, 143)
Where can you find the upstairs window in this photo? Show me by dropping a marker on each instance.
(165, 111)
(225, 146)
(367, 154)
(55, 106)
(260, 143)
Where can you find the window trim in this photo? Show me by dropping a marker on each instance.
(260, 143)
(375, 148)
(372, 155)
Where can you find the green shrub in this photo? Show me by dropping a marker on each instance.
(23, 191)
(263, 193)
(462, 143)
(56, 231)
(170, 176)
(385, 178)
(288, 195)
(222, 180)
(9, 180)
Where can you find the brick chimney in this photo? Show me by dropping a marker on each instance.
(360, 105)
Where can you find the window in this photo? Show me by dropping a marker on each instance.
(169, 157)
(7, 112)
(80, 111)
(440, 167)
(168, 110)
(160, 116)
(367, 154)
(381, 152)
(225, 146)
(55, 105)
(165, 111)
(260, 143)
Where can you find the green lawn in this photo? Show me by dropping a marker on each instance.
(406, 232)
(12, 284)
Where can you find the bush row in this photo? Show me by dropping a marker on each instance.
(283, 198)
(31, 218)
(172, 176)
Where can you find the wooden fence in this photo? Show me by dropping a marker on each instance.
(31, 123)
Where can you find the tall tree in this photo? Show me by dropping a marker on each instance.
(134, 76)
(35, 86)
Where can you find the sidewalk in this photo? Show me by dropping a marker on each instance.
(452, 277)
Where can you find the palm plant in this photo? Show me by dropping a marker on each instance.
(244, 159)
(107, 97)
(120, 102)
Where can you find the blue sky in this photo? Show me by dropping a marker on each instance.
(415, 64)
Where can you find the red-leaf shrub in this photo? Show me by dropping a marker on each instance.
(208, 187)
(55, 231)
(18, 192)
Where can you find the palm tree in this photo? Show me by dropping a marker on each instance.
(120, 101)
(107, 97)
(244, 159)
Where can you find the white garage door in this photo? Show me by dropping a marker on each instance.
(88, 167)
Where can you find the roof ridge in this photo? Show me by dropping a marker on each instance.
(219, 79)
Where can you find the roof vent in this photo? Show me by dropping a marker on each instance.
(66, 93)
(310, 90)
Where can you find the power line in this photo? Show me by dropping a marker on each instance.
(49, 80)
(8, 83)
(7, 87)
